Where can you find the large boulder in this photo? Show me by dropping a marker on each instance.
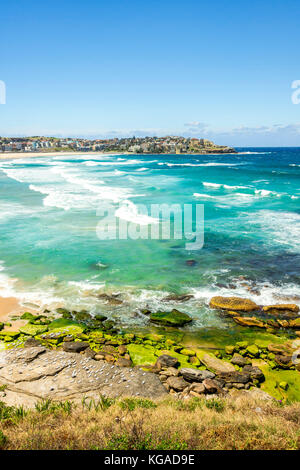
(32, 374)
(173, 318)
(216, 365)
(233, 303)
(195, 375)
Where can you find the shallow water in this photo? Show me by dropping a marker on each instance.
(50, 252)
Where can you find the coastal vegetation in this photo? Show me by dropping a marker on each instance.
(139, 424)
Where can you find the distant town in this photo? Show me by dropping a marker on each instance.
(151, 145)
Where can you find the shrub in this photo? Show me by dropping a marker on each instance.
(131, 403)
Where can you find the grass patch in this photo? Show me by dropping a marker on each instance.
(131, 403)
(49, 406)
(141, 424)
(102, 404)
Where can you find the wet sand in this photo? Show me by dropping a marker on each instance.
(10, 306)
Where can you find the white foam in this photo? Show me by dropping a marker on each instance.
(278, 228)
(225, 186)
(212, 185)
(254, 153)
(87, 285)
(265, 192)
(267, 293)
(11, 210)
(199, 164)
(9, 287)
(90, 163)
(129, 212)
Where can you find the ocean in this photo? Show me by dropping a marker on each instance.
(50, 253)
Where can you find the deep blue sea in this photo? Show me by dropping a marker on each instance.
(50, 208)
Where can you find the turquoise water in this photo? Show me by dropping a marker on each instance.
(50, 253)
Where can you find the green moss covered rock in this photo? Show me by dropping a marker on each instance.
(63, 325)
(187, 352)
(173, 318)
(33, 330)
(252, 350)
(229, 349)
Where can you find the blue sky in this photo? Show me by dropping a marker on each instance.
(215, 69)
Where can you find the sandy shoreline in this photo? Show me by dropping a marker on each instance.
(14, 155)
(9, 155)
(10, 306)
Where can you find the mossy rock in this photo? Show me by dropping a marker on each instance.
(33, 330)
(229, 349)
(187, 352)
(295, 323)
(40, 320)
(195, 361)
(141, 355)
(109, 324)
(62, 322)
(63, 311)
(172, 318)
(252, 350)
(67, 315)
(283, 385)
(9, 334)
(99, 317)
(154, 337)
(83, 315)
(96, 336)
(27, 316)
(129, 336)
(63, 325)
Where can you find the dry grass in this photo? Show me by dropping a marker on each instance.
(141, 424)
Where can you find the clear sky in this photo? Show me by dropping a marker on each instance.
(218, 69)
